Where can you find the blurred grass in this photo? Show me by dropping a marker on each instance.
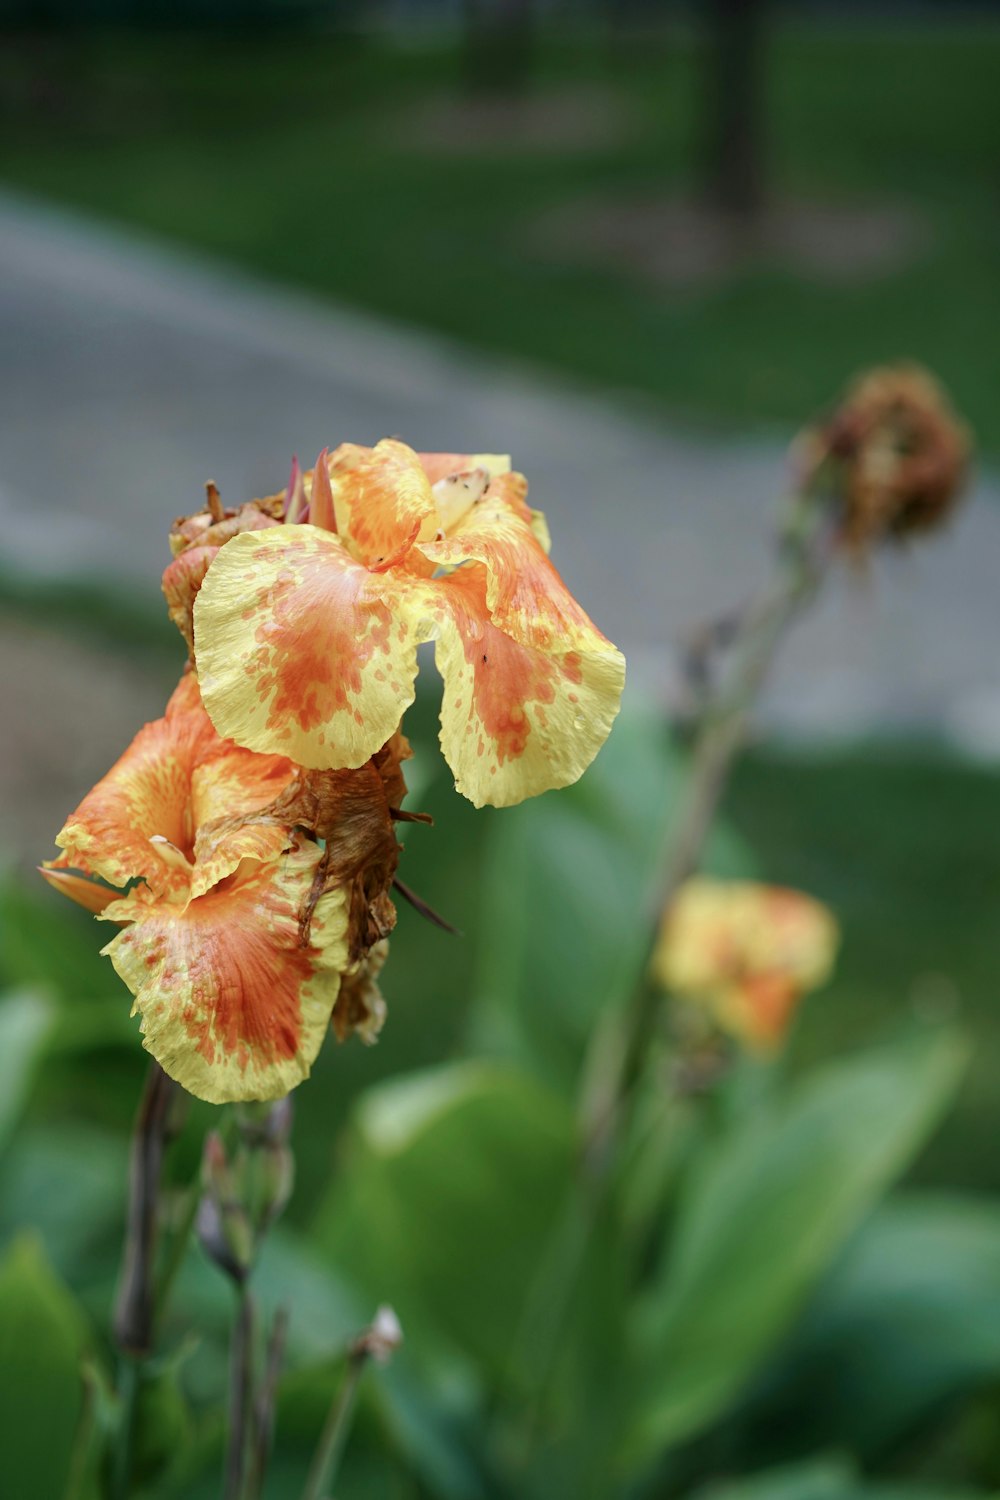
(301, 157)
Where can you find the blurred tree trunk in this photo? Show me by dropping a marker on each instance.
(497, 45)
(734, 125)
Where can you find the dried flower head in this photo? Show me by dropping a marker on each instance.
(747, 952)
(894, 451)
(194, 542)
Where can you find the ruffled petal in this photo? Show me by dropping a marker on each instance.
(144, 796)
(526, 596)
(381, 498)
(518, 716)
(172, 811)
(91, 894)
(228, 786)
(303, 652)
(442, 465)
(232, 1006)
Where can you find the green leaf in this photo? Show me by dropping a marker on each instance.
(42, 1341)
(768, 1207)
(447, 1198)
(824, 1479)
(570, 890)
(69, 1187)
(45, 940)
(25, 1019)
(909, 1318)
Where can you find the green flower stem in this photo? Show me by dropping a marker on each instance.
(333, 1438)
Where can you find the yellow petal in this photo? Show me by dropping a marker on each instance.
(303, 652)
(232, 1006)
(381, 496)
(532, 687)
(517, 717)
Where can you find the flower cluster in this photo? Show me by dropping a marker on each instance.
(245, 843)
(746, 952)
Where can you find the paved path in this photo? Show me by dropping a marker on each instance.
(132, 373)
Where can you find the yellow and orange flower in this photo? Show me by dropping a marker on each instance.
(237, 924)
(306, 634)
(747, 952)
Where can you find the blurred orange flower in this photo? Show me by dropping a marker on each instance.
(747, 952)
(235, 932)
(306, 633)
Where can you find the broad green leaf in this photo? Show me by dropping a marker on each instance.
(42, 1342)
(768, 1207)
(163, 1425)
(69, 1187)
(909, 1318)
(824, 1479)
(570, 888)
(25, 1019)
(818, 1479)
(447, 1198)
(47, 941)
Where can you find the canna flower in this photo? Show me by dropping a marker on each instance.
(306, 633)
(746, 952)
(237, 923)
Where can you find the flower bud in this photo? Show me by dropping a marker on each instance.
(223, 1225)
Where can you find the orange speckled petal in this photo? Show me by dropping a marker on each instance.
(231, 1006)
(90, 894)
(144, 795)
(526, 596)
(303, 652)
(381, 497)
(230, 782)
(517, 718)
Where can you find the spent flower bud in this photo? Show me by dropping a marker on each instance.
(223, 1224)
(381, 1338)
(894, 453)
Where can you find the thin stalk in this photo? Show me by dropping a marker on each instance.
(264, 1405)
(135, 1305)
(333, 1438)
(134, 1309)
(618, 1043)
(240, 1395)
(178, 1247)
